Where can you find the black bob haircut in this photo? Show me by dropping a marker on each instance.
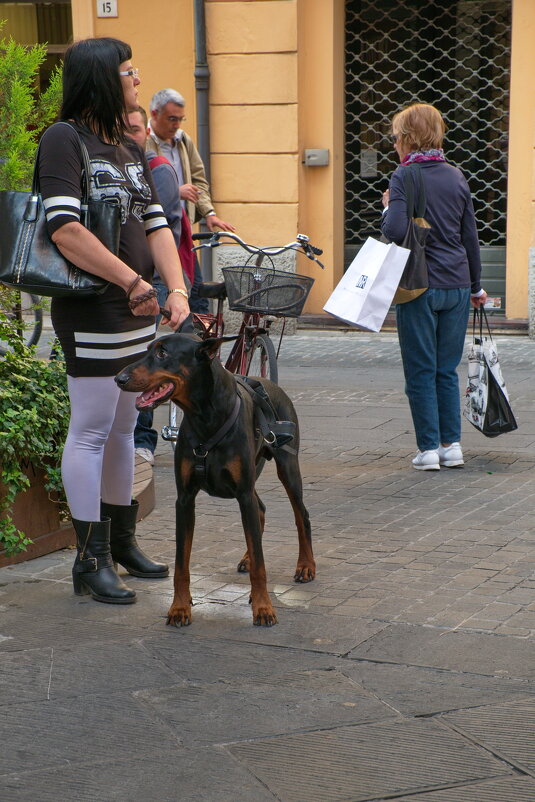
(92, 88)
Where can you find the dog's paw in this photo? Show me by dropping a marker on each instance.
(264, 616)
(179, 616)
(305, 573)
(243, 565)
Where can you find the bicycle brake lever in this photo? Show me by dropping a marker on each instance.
(310, 251)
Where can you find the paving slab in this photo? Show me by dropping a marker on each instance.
(28, 597)
(19, 631)
(459, 651)
(250, 709)
(162, 773)
(203, 660)
(507, 730)
(512, 789)
(415, 691)
(296, 629)
(85, 729)
(59, 673)
(365, 763)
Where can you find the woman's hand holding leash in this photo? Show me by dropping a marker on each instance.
(142, 298)
(178, 307)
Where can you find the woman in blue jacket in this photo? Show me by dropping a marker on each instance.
(432, 327)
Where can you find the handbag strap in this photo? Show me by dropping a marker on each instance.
(86, 167)
(414, 188)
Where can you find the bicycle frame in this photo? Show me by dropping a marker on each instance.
(253, 335)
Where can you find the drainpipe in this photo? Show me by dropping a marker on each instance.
(202, 82)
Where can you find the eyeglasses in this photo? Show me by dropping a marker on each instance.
(133, 73)
(172, 119)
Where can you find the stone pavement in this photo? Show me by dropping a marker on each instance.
(405, 671)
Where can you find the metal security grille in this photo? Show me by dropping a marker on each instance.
(454, 54)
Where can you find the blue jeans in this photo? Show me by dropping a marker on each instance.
(197, 304)
(431, 331)
(144, 435)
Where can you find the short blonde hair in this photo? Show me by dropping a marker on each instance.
(419, 127)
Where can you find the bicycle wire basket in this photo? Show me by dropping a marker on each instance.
(265, 290)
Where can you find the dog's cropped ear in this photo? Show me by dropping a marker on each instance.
(208, 348)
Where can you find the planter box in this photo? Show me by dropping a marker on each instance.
(38, 517)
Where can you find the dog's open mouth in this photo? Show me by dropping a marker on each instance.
(152, 398)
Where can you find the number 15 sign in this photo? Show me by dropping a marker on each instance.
(107, 8)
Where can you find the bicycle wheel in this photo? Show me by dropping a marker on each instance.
(262, 360)
(170, 431)
(27, 310)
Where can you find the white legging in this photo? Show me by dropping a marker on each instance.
(98, 459)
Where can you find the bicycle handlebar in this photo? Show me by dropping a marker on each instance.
(301, 244)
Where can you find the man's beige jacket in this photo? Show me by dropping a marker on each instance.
(193, 171)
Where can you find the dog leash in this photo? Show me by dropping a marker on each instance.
(140, 299)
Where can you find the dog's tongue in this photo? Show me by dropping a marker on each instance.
(151, 397)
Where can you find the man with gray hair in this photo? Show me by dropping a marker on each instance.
(168, 139)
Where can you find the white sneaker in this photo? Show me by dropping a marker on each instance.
(451, 456)
(426, 461)
(146, 454)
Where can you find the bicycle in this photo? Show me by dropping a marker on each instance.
(262, 294)
(26, 310)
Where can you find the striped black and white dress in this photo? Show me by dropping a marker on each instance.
(100, 335)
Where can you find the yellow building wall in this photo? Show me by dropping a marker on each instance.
(521, 170)
(252, 57)
(162, 39)
(321, 125)
(276, 88)
(20, 23)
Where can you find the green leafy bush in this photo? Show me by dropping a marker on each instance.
(24, 113)
(34, 415)
(34, 406)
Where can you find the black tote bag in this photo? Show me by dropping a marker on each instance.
(29, 260)
(414, 280)
(486, 404)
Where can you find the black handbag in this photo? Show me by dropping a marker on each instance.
(30, 261)
(414, 280)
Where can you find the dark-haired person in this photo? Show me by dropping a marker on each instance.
(432, 327)
(166, 183)
(101, 334)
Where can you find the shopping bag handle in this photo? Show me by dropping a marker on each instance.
(479, 315)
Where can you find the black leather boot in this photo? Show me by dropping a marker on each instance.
(124, 547)
(93, 572)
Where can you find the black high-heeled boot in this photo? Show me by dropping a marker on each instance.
(93, 572)
(124, 547)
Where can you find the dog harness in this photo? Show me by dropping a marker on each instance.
(276, 434)
(201, 449)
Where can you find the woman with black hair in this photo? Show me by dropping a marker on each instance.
(99, 335)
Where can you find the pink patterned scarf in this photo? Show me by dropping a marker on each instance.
(434, 155)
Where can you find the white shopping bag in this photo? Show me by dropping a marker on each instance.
(364, 294)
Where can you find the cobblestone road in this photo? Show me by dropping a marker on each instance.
(406, 670)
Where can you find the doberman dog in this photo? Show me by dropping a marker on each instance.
(221, 448)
